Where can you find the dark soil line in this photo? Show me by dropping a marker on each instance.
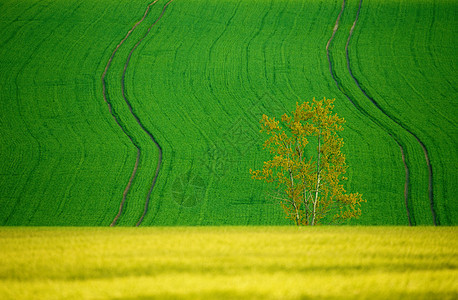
(332, 36)
(364, 112)
(124, 194)
(110, 108)
(425, 151)
(159, 148)
(406, 184)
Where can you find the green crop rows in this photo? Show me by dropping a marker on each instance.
(198, 81)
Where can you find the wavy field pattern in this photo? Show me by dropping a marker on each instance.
(353, 90)
(412, 88)
(95, 103)
(62, 158)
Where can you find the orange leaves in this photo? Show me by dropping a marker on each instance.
(269, 125)
(309, 178)
(285, 118)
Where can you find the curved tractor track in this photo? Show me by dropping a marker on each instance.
(373, 119)
(137, 119)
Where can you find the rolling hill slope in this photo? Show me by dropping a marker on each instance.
(146, 113)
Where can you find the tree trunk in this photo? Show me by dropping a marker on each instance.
(318, 171)
(306, 208)
(293, 200)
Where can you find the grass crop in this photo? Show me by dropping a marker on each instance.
(419, 75)
(229, 263)
(199, 82)
(63, 160)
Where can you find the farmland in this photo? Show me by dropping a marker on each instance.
(229, 263)
(127, 113)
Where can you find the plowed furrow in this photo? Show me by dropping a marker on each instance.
(110, 108)
(375, 103)
(137, 119)
(362, 110)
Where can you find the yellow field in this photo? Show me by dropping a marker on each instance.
(229, 263)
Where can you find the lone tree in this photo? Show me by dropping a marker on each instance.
(309, 178)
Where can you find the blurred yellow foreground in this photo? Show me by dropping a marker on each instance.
(229, 263)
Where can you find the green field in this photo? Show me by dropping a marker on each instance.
(229, 263)
(197, 83)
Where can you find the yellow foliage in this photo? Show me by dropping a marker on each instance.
(310, 178)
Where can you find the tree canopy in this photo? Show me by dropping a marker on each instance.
(308, 166)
